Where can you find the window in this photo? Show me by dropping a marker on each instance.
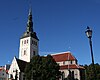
(3, 74)
(22, 42)
(64, 62)
(25, 42)
(11, 76)
(71, 62)
(24, 52)
(36, 43)
(72, 74)
(32, 41)
(33, 52)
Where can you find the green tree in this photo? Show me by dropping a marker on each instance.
(42, 68)
(89, 72)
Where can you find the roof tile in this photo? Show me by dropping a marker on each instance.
(63, 57)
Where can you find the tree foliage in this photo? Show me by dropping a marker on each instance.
(89, 72)
(42, 68)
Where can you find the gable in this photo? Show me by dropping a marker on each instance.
(14, 66)
(17, 64)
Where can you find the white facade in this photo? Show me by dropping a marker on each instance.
(28, 48)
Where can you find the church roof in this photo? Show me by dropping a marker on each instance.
(21, 64)
(71, 66)
(64, 56)
(29, 34)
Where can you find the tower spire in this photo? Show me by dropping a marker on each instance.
(30, 22)
(29, 30)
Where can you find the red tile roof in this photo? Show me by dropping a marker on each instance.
(72, 66)
(63, 57)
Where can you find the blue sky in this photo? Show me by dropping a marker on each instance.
(60, 26)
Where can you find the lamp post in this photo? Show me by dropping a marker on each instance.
(89, 35)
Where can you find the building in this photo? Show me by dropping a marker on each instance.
(29, 48)
(3, 74)
(69, 66)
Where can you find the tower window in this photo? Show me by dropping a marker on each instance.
(33, 52)
(25, 42)
(32, 41)
(35, 43)
(22, 42)
(24, 52)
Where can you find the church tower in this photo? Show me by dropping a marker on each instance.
(28, 41)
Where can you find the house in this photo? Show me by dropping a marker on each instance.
(3, 74)
(69, 66)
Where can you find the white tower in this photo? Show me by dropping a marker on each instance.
(28, 41)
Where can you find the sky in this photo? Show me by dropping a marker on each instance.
(60, 26)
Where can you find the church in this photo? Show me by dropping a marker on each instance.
(29, 46)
